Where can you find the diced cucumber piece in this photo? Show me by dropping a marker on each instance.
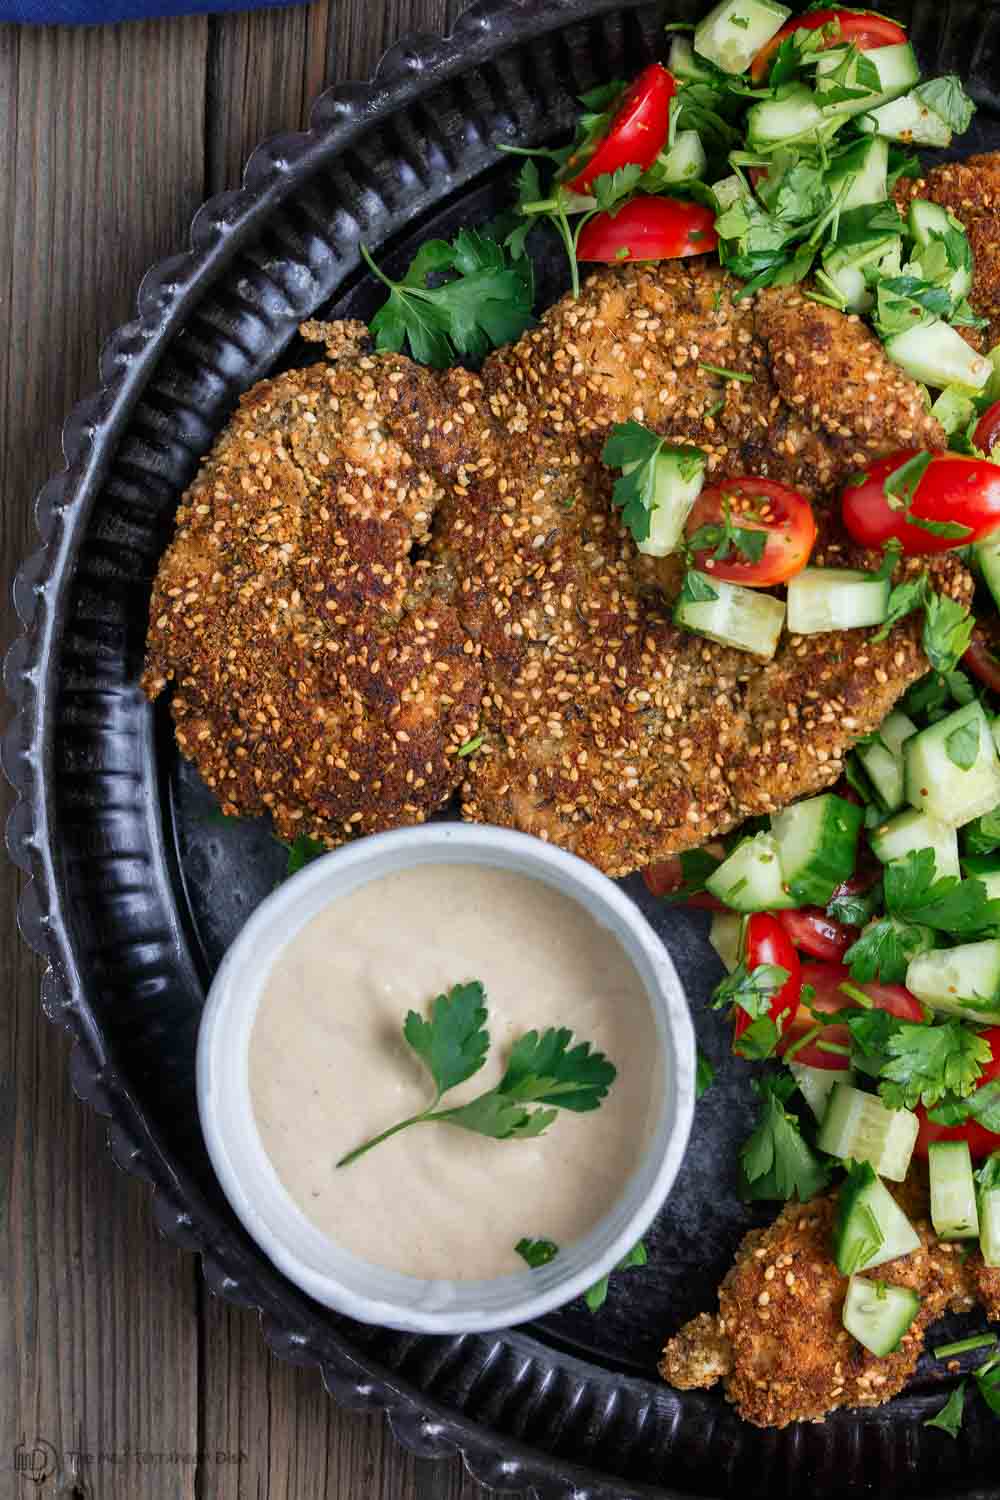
(734, 31)
(929, 225)
(817, 1084)
(913, 830)
(895, 729)
(989, 1227)
(897, 70)
(836, 599)
(870, 179)
(858, 1127)
(685, 65)
(936, 354)
(817, 844)
(685, 161)
(928, 221)
(728, 190)
(988, 1178)
(882, 759)
(678, 479)
(954, 408)
(793, 113)
(745, 619)
(726, 937)
(751, 878)
(844, 265)
(885, 772)
(962, 981)
(908, 120)
(850, 285)
(987, 554)
(954, 1213)
(878, 1315)
(870, 1229)
(952, 770)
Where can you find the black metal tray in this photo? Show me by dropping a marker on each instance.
(137, 890)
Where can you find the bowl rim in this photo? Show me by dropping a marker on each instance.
(440, 1305)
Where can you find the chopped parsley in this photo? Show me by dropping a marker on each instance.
(485, 302)
(596, 1296)
(777, 1162)
(635, 450)
(536, 1252)
(949, 1418)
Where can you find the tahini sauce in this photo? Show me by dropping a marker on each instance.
(329, 1068)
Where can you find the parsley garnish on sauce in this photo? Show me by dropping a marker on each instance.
(543, 1069)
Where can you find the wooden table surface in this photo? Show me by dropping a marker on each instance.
(110, 137)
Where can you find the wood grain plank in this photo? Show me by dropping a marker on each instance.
(98, 1350)
(265, 69)
(361, 32)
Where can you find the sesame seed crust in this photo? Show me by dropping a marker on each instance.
(319, 672)
(778, 1339)
(379, 562)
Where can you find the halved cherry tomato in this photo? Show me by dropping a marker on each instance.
(638, 130)
(756, 505)
(815, 933)
(768, 943)
(667, 876)
(954, 488)
(649, 229)
(987, 432)
(982, 1142)
(826, 980)
(983, 659)
(864, 28)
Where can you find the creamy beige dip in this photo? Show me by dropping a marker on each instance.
(329, 1068)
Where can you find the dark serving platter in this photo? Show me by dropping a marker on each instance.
(137, 889)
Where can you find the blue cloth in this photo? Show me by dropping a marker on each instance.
(95, 12)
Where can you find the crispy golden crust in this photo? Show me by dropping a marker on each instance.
(316, 673)
(779, 1340)
(325, 675)
(607, 730)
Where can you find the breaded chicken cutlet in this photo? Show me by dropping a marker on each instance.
(778, 1341)
(380, 566)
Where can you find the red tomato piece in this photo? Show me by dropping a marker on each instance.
(987, 432)
(826, 980)
(815, 933)
(784, 515)
(982, 1142)
(768, 943)
(953, 488)
(637, 133)
(864, 28)
(649, 229)
(982, 659)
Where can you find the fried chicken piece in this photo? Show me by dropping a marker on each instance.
(317, 673)
(970, 190)
(608, 730)
(778, 1339)
(325, 675)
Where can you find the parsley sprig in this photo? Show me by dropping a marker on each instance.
(543, 1070)
(483, 299)
(777, 1161)
(635, 450)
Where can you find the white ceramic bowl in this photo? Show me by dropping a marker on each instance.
(296, 1246)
